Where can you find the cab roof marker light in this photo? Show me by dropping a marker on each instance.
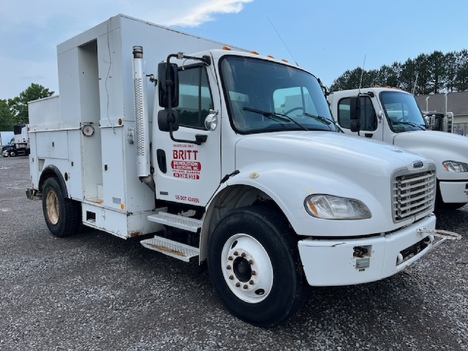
(254, 52)
(225, 47)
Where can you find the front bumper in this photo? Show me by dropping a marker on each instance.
(454, 192)
(356, 261)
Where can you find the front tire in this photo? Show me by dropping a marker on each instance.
(254, 266)
(62, 215)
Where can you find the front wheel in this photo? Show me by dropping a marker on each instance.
(254, 266)
(62, 215)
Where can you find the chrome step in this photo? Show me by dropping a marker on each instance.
(171, 248)
(172, 220)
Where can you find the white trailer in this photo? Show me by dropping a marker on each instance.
(235, 161)
(393, 116)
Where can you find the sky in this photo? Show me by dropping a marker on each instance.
(325, 37)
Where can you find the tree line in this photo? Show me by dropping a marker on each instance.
(426, 74)
(15, 111)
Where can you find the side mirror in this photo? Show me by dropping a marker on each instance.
(354, 113)
(211, 121)
(166, 118)
(168, 87)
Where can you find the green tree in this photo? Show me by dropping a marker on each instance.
(349, 80)
(19, 104)
(451, 73)
(425, 74)
(408, 76)
(437, 64)
(461, 81)
(7, 118)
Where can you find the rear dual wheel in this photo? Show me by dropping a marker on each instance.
(254, 266)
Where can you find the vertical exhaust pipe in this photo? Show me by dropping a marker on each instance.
(141, 118)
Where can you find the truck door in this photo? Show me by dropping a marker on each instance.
(370, 126)
(187, 172)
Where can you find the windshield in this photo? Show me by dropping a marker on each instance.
(402, 111)
(263, 96)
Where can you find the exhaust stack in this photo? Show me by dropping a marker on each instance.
(141, 118)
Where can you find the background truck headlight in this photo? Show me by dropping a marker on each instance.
(335, 207)
(454, 166)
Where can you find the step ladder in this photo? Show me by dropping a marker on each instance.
(171, 248)
(176, 221)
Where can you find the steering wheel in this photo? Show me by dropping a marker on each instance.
(294, 109)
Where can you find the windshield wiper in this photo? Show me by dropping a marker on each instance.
(274, 116)
(410, 124)
(323, 120)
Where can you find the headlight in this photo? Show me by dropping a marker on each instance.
(334, 207)
(454, 166)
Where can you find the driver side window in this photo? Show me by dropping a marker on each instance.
(195, 100)
(367, 116)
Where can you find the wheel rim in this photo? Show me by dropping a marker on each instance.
(53, 208)
(247, 268)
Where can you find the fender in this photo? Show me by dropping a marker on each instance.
(53, 171)
(439, 146)
(288, 189)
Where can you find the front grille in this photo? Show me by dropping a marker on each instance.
(412, 194)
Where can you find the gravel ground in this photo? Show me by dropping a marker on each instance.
(94, 291)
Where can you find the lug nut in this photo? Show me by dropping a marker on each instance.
(246, 286)
(231, 277)
(251, 282)
(228, 266)
(244, 254)
(254, 272)
(251, 261)
(237, 284)
(230, 258)
(236, 253)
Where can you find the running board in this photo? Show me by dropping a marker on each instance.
(172, 220)
(171, 248)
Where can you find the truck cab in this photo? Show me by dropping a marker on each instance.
(393, 116)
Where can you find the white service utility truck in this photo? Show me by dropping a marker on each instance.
(393, 116)
(227, 156)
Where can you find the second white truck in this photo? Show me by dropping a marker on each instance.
(393, 116)
(226, 156)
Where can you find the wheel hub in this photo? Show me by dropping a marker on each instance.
(247, 268)
(53, 209)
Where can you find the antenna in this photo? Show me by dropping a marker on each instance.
(283, 42)
(415, 83)
(362, 73)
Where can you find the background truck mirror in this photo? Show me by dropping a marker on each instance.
(168, 77)
(165, 118)
(354, 113)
